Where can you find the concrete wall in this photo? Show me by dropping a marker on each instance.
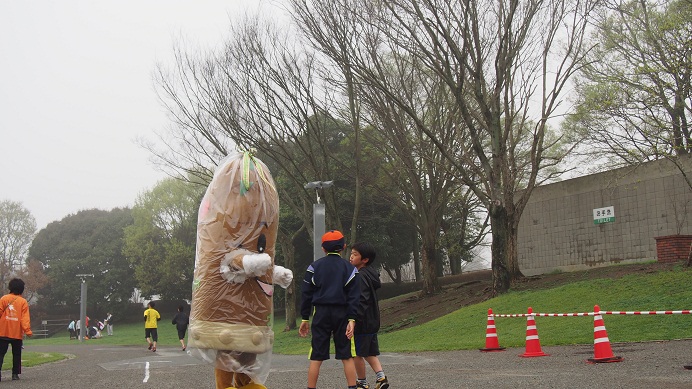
(557, 230)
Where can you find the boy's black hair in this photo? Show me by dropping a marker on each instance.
(181, 308)
(366, 250)
(16, 286)
(152, 304)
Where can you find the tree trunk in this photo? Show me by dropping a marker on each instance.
(500, 233)
(356, 152)
(416, 258)
(429, 267)
(394, 274)
(289, 262)
(291, 311)
(513, 213)
(512, 252)
(455, 265)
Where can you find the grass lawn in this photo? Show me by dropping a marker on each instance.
(124, 334)
(30, 358)
(466, 327)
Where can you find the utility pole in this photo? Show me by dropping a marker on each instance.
(83, 330)
(318, 217)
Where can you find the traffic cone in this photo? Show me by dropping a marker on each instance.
(601, 345)
(491, 341)
(533, 345)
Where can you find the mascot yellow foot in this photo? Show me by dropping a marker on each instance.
(227, 380)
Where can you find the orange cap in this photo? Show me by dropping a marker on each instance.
(333, 241)
(332, 235)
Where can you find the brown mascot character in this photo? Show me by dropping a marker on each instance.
(231, 315)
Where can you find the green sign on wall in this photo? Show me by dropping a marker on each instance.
(604, 215)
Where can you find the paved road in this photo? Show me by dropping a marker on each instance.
(645, 365)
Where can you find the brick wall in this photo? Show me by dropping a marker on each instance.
(557, 230)
(673, 248)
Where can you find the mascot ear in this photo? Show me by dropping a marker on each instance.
(261, 243)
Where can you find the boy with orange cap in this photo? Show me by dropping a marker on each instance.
(331, 291)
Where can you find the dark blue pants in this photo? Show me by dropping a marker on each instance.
(16, 353)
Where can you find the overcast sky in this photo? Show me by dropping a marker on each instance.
(76, 92)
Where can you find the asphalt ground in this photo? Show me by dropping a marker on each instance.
(644, 365)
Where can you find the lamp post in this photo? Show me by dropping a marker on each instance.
(318, 216)
(83, 330)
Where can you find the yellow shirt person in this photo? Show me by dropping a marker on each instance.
(151, 323)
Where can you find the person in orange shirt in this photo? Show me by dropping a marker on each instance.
(14, 323)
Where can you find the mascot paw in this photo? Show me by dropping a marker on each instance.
(235, 277)
(282, 276)
(256, 264)
(231, 267)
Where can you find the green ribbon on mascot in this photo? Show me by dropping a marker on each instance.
(250, 162)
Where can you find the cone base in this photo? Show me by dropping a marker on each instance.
(605, 360)
(534, 354)
(491, 349)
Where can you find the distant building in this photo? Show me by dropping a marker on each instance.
(606, 218)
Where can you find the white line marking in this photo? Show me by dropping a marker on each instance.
(146, 373)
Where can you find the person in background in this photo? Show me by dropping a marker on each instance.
(86, 328)
(71, 328)
(330, 292)
(109, 323)
(14, 324)
(151, 323)
(368, 319)
(181, 320)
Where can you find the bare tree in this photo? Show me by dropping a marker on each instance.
(506, 64)
(17, 230)
(340, 31)
(426, 184)
(255, 94)
(260, 93)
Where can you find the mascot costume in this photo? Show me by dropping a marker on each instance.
(231, 315)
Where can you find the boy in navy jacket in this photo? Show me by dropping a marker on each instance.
(331, 291)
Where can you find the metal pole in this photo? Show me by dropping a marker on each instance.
(318, 217)
(83, 331)
(318, 221)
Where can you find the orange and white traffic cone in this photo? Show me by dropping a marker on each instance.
(601, 345)
(533, 345)
(491, 341)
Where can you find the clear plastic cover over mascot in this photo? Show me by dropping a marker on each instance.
(231, 317)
